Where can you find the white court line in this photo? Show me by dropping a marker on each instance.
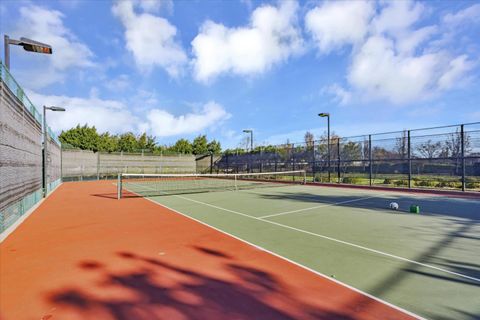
(316, 207)
(335, 240)
(287, 259)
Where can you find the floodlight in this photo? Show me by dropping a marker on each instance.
(35, 46)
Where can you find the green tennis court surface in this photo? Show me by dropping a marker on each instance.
(427, 263)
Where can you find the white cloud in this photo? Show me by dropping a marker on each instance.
(117, 84)
(380, 72)
(105, 115)
(150, 39)
(393, 59)
(47, 26)
(155, 6)
(456, 69)
(334, 24)
(271, 37)
(397, 16)
(470, 14)
(163, 124)
(409, 41)
(115, 117)
(340, 95)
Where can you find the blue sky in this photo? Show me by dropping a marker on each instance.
(180, 69)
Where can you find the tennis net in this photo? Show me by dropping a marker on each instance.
(167, 184)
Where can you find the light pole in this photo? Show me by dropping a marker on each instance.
(327, 115)
(251, 138)
(45, 144)
(27, 44)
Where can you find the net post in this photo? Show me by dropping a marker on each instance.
(119, 186)
(304, 177)
(235, 178)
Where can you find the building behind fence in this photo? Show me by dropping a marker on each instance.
(440, 157)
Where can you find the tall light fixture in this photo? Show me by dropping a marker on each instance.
(251, 138)
(45, 145)
(27, 44)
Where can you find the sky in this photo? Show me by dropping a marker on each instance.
(178, 69)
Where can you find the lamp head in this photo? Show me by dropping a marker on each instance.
(324, 114)
(52, 108)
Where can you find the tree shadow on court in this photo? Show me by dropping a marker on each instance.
(156, 289)
(458, 219)
(432, 256)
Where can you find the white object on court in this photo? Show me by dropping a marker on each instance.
(393, 205)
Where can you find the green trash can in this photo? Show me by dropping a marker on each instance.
(414, 209)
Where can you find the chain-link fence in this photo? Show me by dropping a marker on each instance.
(443, 157)
(88, 165)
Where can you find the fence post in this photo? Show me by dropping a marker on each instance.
(211, 163)
(370, 169)
(313, 163)
(462, 139)
(293, 157)
(98, 165)
(338, 160)
(409, 155)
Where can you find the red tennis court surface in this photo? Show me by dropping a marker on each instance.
(84, 255)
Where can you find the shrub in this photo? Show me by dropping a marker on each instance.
(400, 183)
(352, 180)
(388, 181)
(427, 183)
(473, 185)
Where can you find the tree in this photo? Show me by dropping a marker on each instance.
(146, 142)
(270, 149)
(429, 149)
(351, 151)
(127, 142)
(309, 140)
(401, 145)
(108, 143)
(214, 147)
(236, 151)
(82, 137)
(182, 146)
(453, 145)
(200, 145)
(382, 153)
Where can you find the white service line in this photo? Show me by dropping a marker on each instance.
(316, 207)
(333, 239)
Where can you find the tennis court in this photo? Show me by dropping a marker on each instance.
(427, 263)
(269, 248)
